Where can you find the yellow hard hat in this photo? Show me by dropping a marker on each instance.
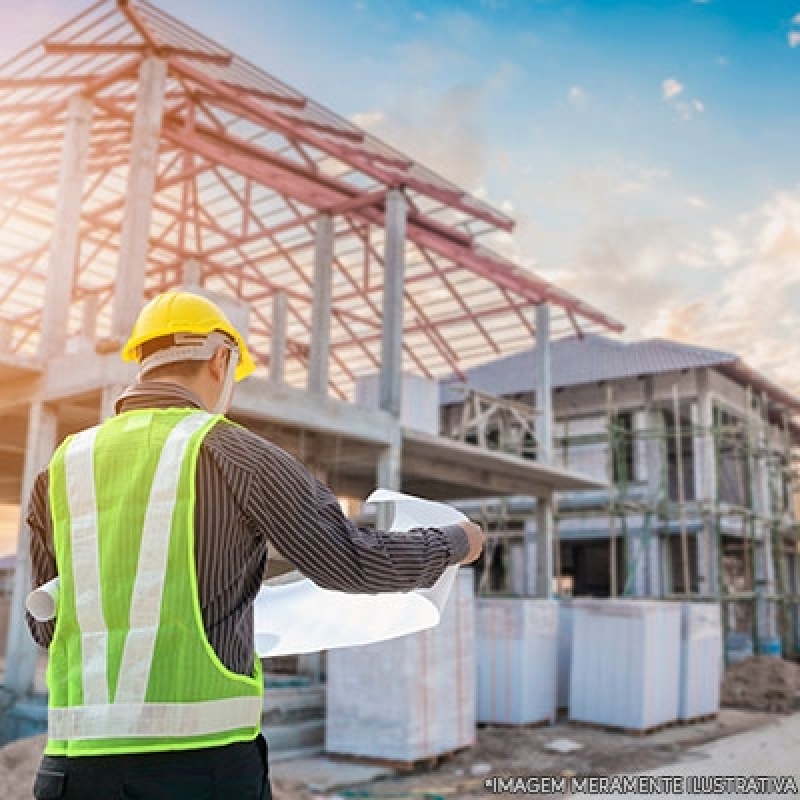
(176, 312)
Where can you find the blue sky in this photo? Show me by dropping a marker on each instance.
(648, 150)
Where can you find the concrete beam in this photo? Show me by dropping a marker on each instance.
(280, 323)
(319, 359)
(262, 399)
(75, 375)
(129, 293)
(21, 650)
(394, 277)
(65, 243)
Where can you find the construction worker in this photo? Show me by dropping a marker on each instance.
(157, 523)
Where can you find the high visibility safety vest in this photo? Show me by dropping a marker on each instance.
(131, 669)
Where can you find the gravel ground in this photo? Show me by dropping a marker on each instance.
(521, 752)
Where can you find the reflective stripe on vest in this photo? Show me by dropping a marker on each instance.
(153, 719)
(128, 714)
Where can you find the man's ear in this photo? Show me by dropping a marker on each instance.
(219, 363)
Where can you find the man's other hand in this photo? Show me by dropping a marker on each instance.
(477, 539)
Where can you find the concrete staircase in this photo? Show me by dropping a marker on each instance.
(293, 721)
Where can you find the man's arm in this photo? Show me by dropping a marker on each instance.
(303, 519)
(43, 559)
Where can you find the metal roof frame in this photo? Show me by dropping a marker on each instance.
(246, 164)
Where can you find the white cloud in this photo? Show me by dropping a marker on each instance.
(794, 38)
(671, 88)
(722, 61)
(420, 16)
(796, 19)
(696, 202)
(578, 97)
(754, 309)
(694, 257)
(726, 247)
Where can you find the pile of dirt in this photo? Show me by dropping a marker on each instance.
(761, 683)
(18, 764)
(20, 760)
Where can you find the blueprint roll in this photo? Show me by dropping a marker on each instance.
(42, 603)
(299, 617)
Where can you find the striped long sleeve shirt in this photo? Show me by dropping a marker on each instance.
(251, 494)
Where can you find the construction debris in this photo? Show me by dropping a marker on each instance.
(761, 683)
(563, 746)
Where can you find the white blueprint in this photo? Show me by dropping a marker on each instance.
(302, 618)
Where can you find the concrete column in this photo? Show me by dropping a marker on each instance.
(544, 548)
(764, 557)
(540, 572)
(636, 544)
(89, 314)
(656, 487)
(21, 649)
(65, 243)
(636, 557)
(109, 398)
(393, 281)
(192, 273)
(544, 385)
(319, 360)
(6, 336)
(531, 552)
(706, 488)
(280, 321)
(389, 476)
(135, 241)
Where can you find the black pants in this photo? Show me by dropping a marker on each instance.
(234, 772)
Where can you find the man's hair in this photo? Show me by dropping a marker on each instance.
(188, 370)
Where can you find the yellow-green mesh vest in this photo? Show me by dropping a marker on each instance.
(130, 667)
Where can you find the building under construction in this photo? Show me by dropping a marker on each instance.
(700, 452)
(139, 155)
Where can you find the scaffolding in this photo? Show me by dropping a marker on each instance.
(742, 524)
(767, 542)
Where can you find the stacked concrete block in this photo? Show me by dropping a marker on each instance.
(517, 645)
(410, 698)
(626, 663)
(701, 660)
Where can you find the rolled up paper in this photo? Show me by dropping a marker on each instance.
(42, 603)
(300, 617)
